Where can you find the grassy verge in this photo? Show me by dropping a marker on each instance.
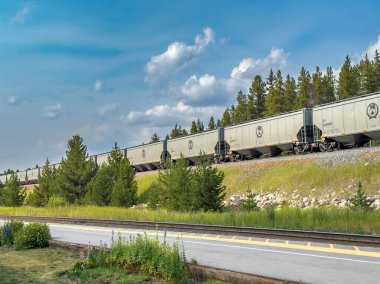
(309, 178)
(318, 219)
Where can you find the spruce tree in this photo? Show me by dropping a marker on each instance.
(226, 118)
(13, 193)
(241, 111)
(269, 101)
(377, 67)
(75, 171)
(219, 123)
(193, 128)
(328, 86)
(303, 89)
(155, 138)
(46, 186)
(367, 70)
(275, 99)
(175, 132)
(290, 93)
(124, 192)
(200, 126)
(316, 88)
(256, 98)
(211, 123)
(348, 82)
(209, 191)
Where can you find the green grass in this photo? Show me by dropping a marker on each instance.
(305, 176)
(109, 275)
(319, 219)
(35, 266)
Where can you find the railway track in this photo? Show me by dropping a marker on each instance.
(309, 236)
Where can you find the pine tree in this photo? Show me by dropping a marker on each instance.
(256, 98)
(241, 111)
(275, 99)
(348, 86)
(124, 192)
(13, 193)
(290, 93)
(226, 118)
(200, 126)
(75, 172)
(269, 101)
(154, 138)
(328, 85)
(176, 185)
(209, 190)
(219, 123)
(211, 124)
(175, 132)
(46, 186)
(316, 88)
(303, 89)
(367, 70)
(377, 67)
(193, 128)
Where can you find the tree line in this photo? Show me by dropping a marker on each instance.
(275, 94)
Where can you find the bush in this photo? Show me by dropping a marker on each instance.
(34, 235)
(360, 201)
(56, 201)
(9, 231)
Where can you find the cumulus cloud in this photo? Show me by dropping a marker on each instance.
(178, 57)
(12, 100)
(167, 116)
(372, 48)
(52, 111)
(22, 14)
(103, 110)
(100, 86)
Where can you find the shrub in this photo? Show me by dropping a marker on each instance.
(34, 235)
(8, 232)
(250, 204)
(360, 201)
(56, 201)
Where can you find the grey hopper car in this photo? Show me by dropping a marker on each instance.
(271, 135)
(209, 142)
(147, 156)
(349, 122)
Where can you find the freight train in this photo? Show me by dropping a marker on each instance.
(345, 123)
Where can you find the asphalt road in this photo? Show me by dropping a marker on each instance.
(288, 260)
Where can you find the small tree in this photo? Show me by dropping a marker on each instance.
(45, 188)
(124, 192)
(209, 190)
(14, 193)
(360, 200)
(154, 138)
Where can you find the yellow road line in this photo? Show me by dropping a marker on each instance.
(266, 243)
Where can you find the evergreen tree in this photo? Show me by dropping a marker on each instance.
(348, 86)
(241, 111)
(176, 185)
(13, 193)
(200, 126)
(211, 124)
(193, 128)
(377, 67)
(219, 123)
(303, 89)
(46, 186)
(290, 93)
(256, 98)
(209, 190)
(275, 98)
(328, 85)
(316, 88)
(175, 132)
(124, 192)
(226, 118)
(75, 172)
(232, 114)
(154, 138)
(368, 74)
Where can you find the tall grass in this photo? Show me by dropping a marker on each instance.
(318, 219)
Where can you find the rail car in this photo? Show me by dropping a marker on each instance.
(346, 123)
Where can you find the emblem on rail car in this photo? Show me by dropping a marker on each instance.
(143, 153)
(259, 131)
(190, 145)
(372, 110)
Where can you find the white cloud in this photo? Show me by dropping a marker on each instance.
(52, 111)
(103, 110)
(372, 48)
(12, 100)
(178, 57)
(22, 14)
(168, 116)
(100, 86)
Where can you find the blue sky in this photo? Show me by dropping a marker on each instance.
(122, 70)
